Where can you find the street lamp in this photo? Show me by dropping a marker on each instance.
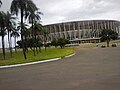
(107, 40)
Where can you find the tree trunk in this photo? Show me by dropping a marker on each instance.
(33, 38)
(15, 44)
(26, 46)
(23, 45)
(9, 42)
(34, 51)
(45, 42)
(36, 43)
(108, 43)
(45, 48)
(39, 49)
(3, 46)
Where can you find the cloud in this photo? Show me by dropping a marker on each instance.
(81, 10)
(70, 10)
(56, 11)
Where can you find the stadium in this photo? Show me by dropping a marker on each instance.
(81, 31)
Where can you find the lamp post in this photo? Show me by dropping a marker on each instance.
(107, 40)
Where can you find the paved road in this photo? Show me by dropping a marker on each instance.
(89, 69)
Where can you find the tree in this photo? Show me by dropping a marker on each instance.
(0, 3)
(37, 31)
(45, 35)
(54, 43)
(26, 33)
(9, 23)
(19, 43)
(15, 34)
(107, 35)
(62, 42)
(34, 19)
(2, 30)
(24, 7)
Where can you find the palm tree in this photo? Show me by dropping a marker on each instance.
(0, 3)
(15, 34)
(2, 30)
(34, 17)
(26, 33)
(24, 7)
(37, 31)
(45, 35)
(9, 20)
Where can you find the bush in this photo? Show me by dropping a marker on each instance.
(60, 42)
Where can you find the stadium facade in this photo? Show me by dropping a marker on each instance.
(81, 31)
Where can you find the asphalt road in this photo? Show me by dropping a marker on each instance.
(89, 69)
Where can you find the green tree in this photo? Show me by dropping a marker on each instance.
(45, 35)
(39, 44)
(54, 43)
(107, 35)
(34, 18)
(9, 23)
(62, 42)
(19, 43)
(24, 7)
(37, 31)
(2, 30)
(0, 3)
(15, 34)
(26, 34)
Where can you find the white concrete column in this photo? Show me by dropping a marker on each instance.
(60, 30)
(105, 25)
(74, 30)
(89, 29)
(111, 24)
(65, 31)
(83, 29)
(51, 32)
(108, 24)
(55, 32)
(97, 29)
(79, 30)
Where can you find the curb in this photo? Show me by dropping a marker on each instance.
(38, 62)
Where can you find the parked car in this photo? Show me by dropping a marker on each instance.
(103, 46)
(114, 45)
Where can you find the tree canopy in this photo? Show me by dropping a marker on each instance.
(107, 34)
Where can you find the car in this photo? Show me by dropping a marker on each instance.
(103, 46)
(114, 45)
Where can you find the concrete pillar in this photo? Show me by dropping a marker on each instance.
(60, 30)
(55, 32)
(78, 30)
(65, 31)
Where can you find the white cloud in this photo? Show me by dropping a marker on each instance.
(67, 10)
(56, 11)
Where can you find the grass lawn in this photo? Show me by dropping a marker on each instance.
(111, 42)
(89, 45)
(44, 55)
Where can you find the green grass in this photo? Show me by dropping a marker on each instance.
(111, 42)
(90, 45)
(44, 55)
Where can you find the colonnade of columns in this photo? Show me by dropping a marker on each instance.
(81, 29)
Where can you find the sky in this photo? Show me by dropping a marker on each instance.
(58, 11)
